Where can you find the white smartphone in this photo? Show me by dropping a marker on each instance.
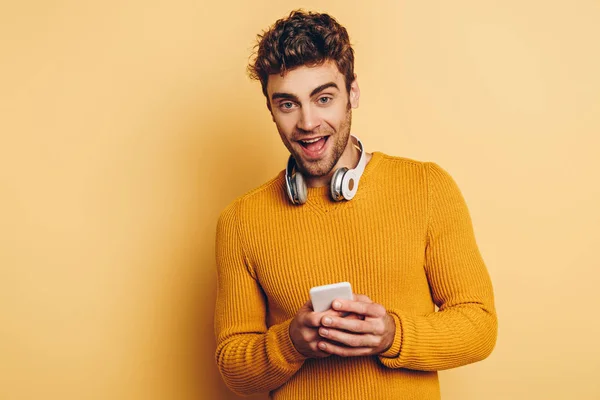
(323, 296)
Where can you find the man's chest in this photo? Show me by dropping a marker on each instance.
(378, 253)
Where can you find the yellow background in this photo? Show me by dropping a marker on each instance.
(127, 126)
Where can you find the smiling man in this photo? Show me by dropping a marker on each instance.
(397, 229)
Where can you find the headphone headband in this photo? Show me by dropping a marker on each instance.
(362, 162)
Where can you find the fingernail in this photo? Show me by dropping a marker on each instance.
(337, 304)
(322, 345)
(327, 321)
(324, 332)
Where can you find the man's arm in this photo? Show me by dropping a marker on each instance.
(250, 357)
(465, 328)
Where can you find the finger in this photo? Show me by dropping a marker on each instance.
(372, 310)
(363, 298)
(308, 305)
(350, 339)
(353, 324)
(307, 316)
(313, 319)
(342, 351)
(352, 316)
(331, 313)
(318, 352)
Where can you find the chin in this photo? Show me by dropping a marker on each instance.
(316, 168)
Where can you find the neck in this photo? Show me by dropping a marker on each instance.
(349, 159)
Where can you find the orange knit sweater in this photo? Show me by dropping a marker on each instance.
(406, 241)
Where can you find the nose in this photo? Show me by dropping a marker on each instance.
(309, 119)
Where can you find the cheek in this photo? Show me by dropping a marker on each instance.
(336, 118)
(285, 129)
(285, 126)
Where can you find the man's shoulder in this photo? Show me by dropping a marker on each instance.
(401, 160)
(268, 189)
(398, 164)
(410, 170)
(429, 173)
(272, 191)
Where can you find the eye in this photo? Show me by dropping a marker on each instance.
(324, 100)
(286, 105)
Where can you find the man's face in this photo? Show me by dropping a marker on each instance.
(313, 111)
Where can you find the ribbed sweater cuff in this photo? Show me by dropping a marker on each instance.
(280, 342)
(394, 350)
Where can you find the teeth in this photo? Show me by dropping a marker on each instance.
(312, 140)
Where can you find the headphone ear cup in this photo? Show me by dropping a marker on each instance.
(336, 184)
(301, 192)
(349, 185)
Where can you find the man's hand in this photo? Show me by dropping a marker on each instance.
(372, 333)
(304, 329)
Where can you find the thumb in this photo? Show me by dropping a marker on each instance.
(308, 305)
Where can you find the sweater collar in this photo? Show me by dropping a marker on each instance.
(321, 195)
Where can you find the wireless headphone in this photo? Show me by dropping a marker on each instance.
(344, 183)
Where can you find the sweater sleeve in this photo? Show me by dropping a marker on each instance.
(464, 330)
(251, 357)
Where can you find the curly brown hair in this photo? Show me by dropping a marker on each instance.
(303, 38)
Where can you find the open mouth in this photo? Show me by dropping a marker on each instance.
(314, 145)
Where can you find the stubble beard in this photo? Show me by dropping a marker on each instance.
(324, 166)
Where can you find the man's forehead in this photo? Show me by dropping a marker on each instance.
(301, 81)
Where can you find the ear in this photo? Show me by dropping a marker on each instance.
(354, 93)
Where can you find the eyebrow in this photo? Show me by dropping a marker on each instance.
(289, 96)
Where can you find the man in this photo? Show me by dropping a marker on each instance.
(404, 241)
